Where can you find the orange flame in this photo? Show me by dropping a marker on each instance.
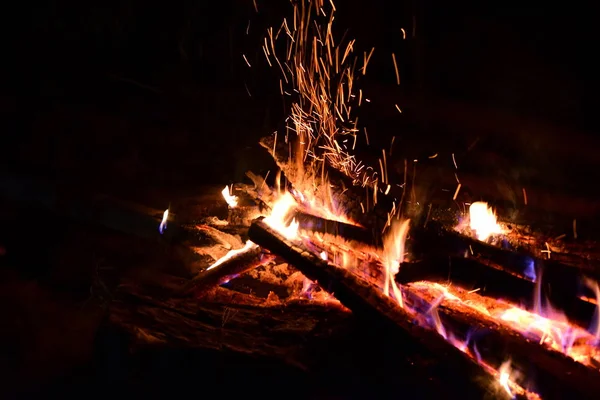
(482, 221)
(393, 255)
(277, 219)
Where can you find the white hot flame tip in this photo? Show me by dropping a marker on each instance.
(163, 225)
(232, 201)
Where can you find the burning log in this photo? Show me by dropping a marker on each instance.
(361, 204)
(372, 305)
(232, 265)
(556, 375)
(348, 232)
(565, 281)
(489, 279)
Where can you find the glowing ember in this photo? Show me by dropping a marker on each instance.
(482, 221)
(232, 253)
(163, 224)
(232, 201)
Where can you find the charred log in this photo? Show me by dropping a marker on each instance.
(555, 374)
(491, 280)
(345, 231)
(229, 269)
(565, 281)
(371, 305)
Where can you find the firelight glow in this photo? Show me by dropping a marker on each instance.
(232, 201)
(482, 220)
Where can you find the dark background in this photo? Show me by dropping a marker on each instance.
(117, 92)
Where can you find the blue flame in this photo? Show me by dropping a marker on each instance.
(530, 269)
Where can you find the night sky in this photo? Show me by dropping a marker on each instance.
(166, 82)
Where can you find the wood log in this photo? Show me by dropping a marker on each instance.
(331, 352)
(565, 281)
(239, 263)
(348, 232)
(555, 374)
(218, 319)
(359, 296)
(491, 280)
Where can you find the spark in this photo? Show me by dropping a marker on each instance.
(524, 196)
(456, 192)
(396, 69)
(245, 59)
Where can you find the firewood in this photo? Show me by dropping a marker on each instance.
(229, 269)
(564, 280)
(348, 232)
(555, 374)
(491, 280)
(360, 297)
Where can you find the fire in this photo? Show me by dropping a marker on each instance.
(393, 255)
(504, 377)
(482, 221)
(232, 201)
(279, 213)
(163, 224)
(232, 253)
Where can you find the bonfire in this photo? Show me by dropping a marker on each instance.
(321, 218)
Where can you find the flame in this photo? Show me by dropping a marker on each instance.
(482, 220)
(504, 377)
(552, 328)
(232, 201)
(232, 253)
(393, 255)
(163, 224)
(279, 212)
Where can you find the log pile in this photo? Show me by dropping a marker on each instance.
(222, 308)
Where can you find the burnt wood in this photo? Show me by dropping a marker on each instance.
(349, 232)
(493, 280)
(565, 281)
(229, 269)
(556, 375)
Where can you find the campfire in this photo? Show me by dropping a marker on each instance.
(336, 231)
